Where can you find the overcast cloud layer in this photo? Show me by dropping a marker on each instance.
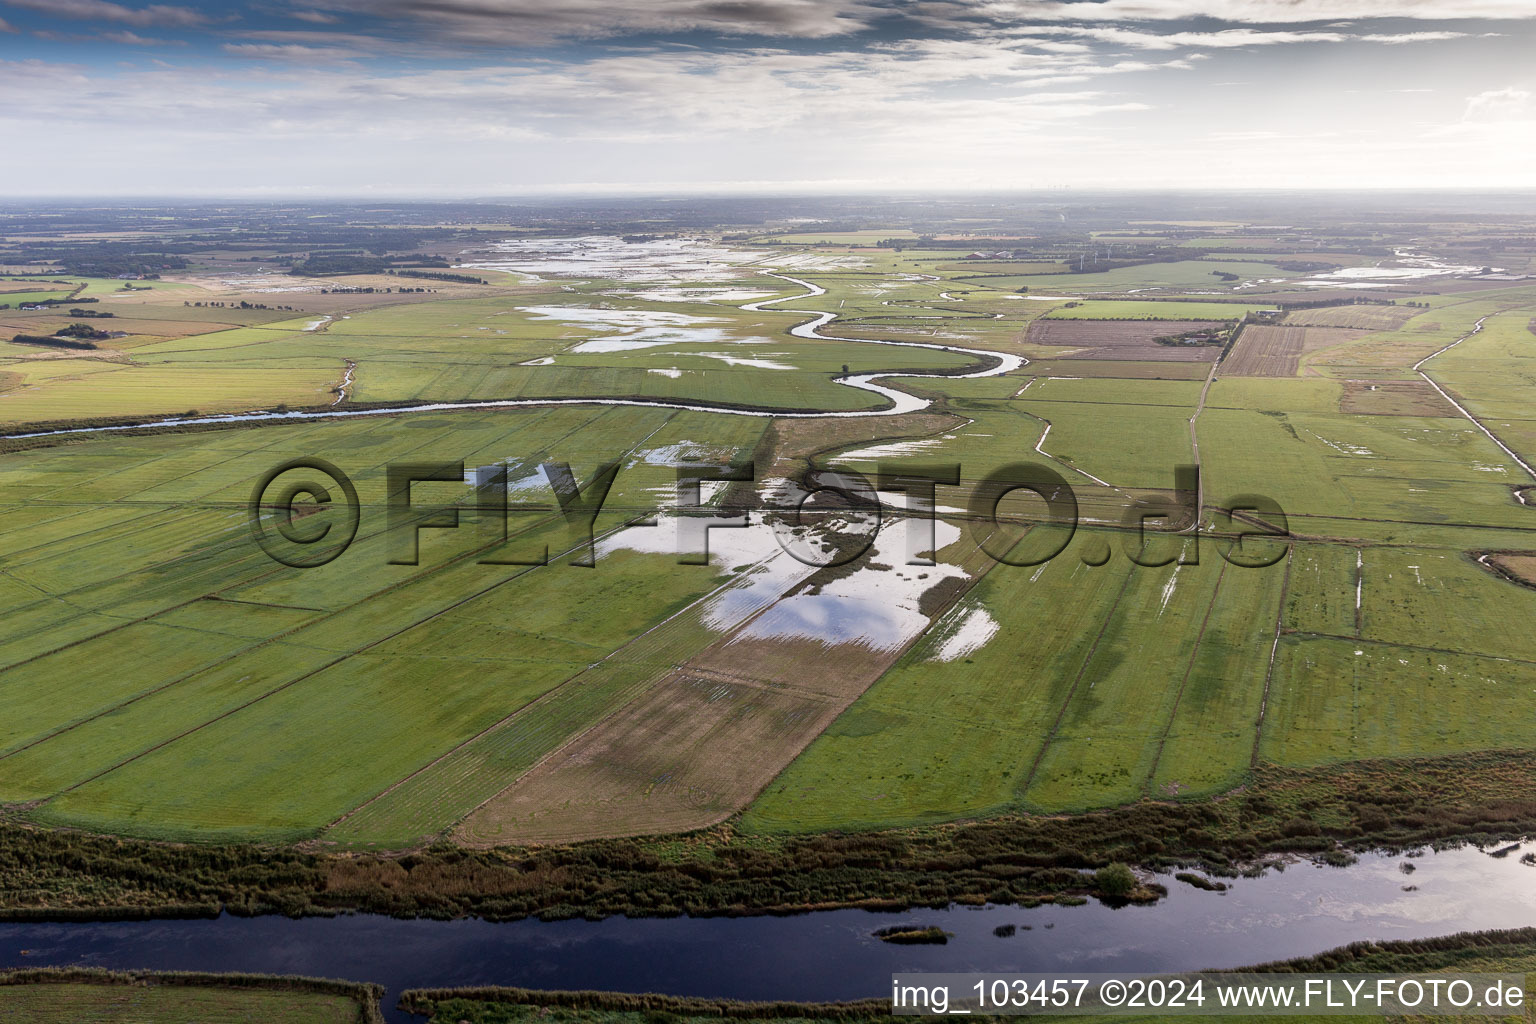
(497, 97)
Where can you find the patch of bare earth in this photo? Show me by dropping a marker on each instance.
(1122, 339)
(1117, 368)
(702, 741)
(788, 446)
(1266, 351)
(1365, 317)
(1515, 566)
(1393, 398)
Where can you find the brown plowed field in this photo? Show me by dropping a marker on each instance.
(1393, 398)
(1121, 339)
(1263, 351)
(691, 751)
(1515, 566)
(701, 741)
(1124, 368)
(1366, 318)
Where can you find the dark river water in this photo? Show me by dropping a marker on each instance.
(831, 954)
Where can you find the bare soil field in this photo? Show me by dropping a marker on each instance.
(695, 748)
(1263, 351)
(788, 445)
(1367, 318)
(1515, 566)
(1118, 368)
(139, 328)
(1121, 339)
(1393, 398)
(982, 267)
(702, 741)
(321, 295)
(1344, 294)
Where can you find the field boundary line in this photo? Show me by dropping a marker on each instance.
(169, 508)
(309, 674)
(1194, 441)
(1040, 447)
(545, 697)
(1418, 369)
(631, 695)
(357, 650)
(1189, 668)
(986, 566)
(1409, 647)
(1269, 673)
(262, 604)
(1082, 670)
(1359, 592)
(215, 595)
(1355, 542)
(257, 643)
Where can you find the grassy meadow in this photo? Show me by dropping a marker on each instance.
(84, 1002)
(165, 678)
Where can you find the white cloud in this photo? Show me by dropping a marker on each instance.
(1415, 37)
(102, 10)
(129, 38)
(290, 52)
(934, 89)
(1275, 12)
(983, 102)
(543, 21)
(1224, 39)
(1509, 104)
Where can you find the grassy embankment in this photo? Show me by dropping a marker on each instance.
(92, 996)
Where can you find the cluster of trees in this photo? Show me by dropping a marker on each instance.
(333, 264)
(84, 332)
(1217, 335)
(242, 304)
(369, 290)
(147, 267)
(1358, 300)
(328, 264)
(59, 302)
(53, 340)
(434, 276)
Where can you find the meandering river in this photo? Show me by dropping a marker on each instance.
(831, 954)
(901, 402)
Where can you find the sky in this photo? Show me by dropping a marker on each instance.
(483, 98)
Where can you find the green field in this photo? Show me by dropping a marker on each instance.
(1180, 276)
(1120, 309)
(390, 662)
(368, 704)
(86, 1003)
